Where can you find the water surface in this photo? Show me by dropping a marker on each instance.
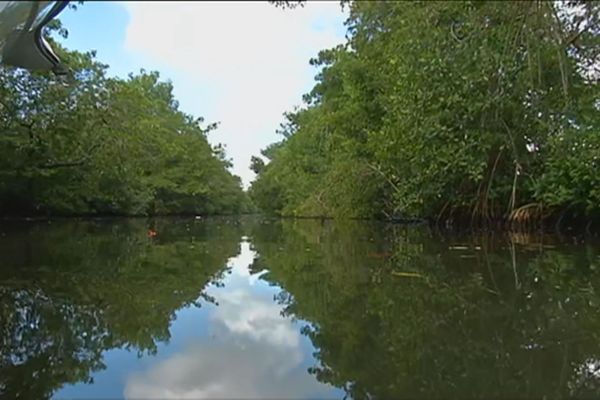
(258, 308)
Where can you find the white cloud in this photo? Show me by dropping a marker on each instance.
(239, 264)
(235, 370)
(243, 313)
(246, 310)
(252, 59)
(252, 351)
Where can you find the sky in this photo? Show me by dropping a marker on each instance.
(242, 64)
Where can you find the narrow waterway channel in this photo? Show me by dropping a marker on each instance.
(259, 308)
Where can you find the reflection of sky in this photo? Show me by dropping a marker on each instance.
(241, 348)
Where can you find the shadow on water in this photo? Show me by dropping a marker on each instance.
(389, 311)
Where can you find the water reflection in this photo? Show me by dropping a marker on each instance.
(397, 312)
(297, 309)
(69, 292)
(254, 352)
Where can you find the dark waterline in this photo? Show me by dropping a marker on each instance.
(263, 308)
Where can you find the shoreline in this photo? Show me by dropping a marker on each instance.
(571, 226)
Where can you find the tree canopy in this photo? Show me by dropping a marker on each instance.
(447, 110)
(92, 144)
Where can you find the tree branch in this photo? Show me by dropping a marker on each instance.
(62, 164)
(68, 164)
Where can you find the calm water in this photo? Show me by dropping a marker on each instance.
(226, 308)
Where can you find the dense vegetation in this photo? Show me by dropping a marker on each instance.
(398, 313)
(91, 144)
(471, 111)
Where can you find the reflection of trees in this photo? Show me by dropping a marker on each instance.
(477, 316)
(70, 291)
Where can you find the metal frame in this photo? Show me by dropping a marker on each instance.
(38, 34)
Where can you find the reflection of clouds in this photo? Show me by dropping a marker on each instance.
(245, 310)
(245, 369)
(255, 354)
(239, 265)
(259, 318)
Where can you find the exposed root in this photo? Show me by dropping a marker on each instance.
(526, 215)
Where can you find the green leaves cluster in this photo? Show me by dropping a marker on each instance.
(91, 144)
(446, 109)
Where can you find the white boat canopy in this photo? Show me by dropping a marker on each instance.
(22, 43)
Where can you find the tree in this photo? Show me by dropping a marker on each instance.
(98, 145)
(461, 111)
(256, 164)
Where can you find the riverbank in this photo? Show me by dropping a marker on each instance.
(555, 223)
(487, 128)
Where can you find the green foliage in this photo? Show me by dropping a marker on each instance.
(287, 3)
(572, 175)
(99, 145)
(256, 164)
(446, 108)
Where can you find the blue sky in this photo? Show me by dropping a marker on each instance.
(240, 63)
